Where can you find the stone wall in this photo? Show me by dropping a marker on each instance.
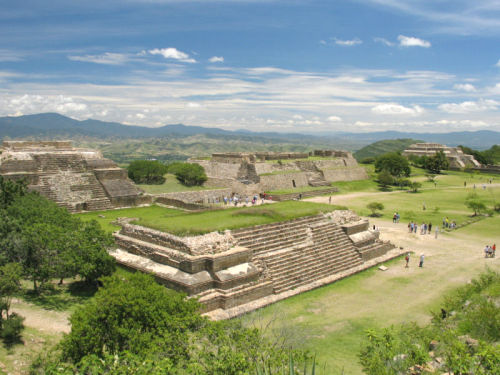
(283, 181)
(345, 174)
(219, 170)
(200, 196)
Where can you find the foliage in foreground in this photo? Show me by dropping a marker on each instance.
(134, 325)
(461, 339)
(48, 242)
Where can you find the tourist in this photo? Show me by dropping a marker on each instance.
(486, 251)
(421, 264)
(465, 183)
(437, 231)
(410, 226)
(415, 228)
(493, 250)
(430, 228)
(423, 206)
(407, 259)
(397, 217)
(330, 200)
(394, 218)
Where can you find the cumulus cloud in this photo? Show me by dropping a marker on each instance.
(396, 109)
(28, 104)
(469, 106)
(347, 43)
(107, 58)
(172, 53)
(216, 59)
(383, 41)
(498, 63)
(334, 119)
(467, 87)
(410, 41)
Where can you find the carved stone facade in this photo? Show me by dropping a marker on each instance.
(78, 179)
(250, 173)
(239, 270)
(455, 156)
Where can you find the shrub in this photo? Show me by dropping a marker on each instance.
(374, 207)
(11, 328)
(368, 160)
(385, 179)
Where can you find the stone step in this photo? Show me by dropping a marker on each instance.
(272, 236)
(241, 233)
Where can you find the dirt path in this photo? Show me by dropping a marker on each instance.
(43, 320)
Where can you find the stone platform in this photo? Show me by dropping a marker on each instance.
(78, 179)
(232, 271)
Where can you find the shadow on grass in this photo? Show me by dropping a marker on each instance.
(61, 297)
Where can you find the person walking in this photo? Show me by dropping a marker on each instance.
(407, 259)
(437, 231)
(430, 228)
(421, 264)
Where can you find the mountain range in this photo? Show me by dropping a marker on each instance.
(53, 125)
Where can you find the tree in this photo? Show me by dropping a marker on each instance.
(374, 207)
(475, 203)
(10, 190)
(436, 163)
(385, 179)
(149, 172)
(10, 284)
(394, 163)
(134, 314)
(414, 186)
(188, 174)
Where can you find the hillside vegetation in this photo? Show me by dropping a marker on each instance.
(382, 147)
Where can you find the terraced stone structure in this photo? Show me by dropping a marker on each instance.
(240, 270)
(250, 173)
(78, 179)
(455, 156)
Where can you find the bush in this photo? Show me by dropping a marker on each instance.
(147, 172)
(188, 174)
(374, 207)
(385, 179)
(11, 328)
(368, 160)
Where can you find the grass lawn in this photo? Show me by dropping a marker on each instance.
(190, 223)
(171, 185)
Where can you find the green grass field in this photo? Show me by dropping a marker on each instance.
(190, 223)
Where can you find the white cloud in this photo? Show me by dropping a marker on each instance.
(172, 53)
(397, 109)
(193, 105)
(334, 119)
(107, 58)
(383, 41)
(410, 41)
(8, 56)
(28, 104)
(216, 59)
(467, 87)
(498, 63)
(469, 106)
(347, 43)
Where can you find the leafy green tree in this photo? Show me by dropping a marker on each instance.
(374, 207)
(436, 163)
(473, 202)
(10, 284)
(414, 186)
(385, 179)
(150, 172)
(134, 314)
(189, 174)
(10, 190)
(394, 163)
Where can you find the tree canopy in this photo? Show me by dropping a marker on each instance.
(189, 174)
(394, 163)
(150, 172)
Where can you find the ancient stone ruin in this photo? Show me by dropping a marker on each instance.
(455, 156)
(250, 173)
(241, 270)
(78, 179)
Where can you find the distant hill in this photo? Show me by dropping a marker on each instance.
(382, 147)
(207, 140)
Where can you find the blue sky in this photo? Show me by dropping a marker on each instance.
(289, 66)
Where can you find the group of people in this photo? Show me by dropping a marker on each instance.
(449, 224)
(489, 251)
(395, 217)
(236, 199)
(424, 228)
(420, 263)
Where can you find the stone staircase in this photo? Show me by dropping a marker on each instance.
(315, 176)
(300, 251)
(60, 162)
(276, 236)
